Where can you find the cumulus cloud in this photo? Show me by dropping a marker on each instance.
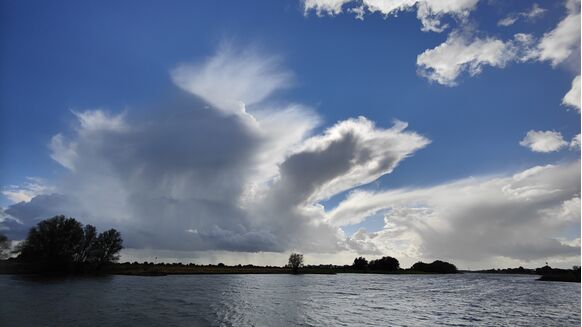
(575, 143)
(322, 7)
(201, 174)
(543, 141)
(534, 12)
(572, 98)
(563, 42)
(429, 12)
(525, 216)
(465, 50)
(460, 53)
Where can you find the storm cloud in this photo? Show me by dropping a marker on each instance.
(220, 168)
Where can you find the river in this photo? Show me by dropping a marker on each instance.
(289, 300)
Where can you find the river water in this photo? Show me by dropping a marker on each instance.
(288, 300)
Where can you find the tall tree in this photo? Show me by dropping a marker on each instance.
(295, 262)
(109, 243)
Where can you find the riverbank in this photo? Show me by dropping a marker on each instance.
(162, 269)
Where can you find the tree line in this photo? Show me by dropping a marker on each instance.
(390, 264)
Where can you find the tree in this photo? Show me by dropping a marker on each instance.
(53, 243)
(437, 266)
(4, 247)
(63, 244)
(384, 264)
(88, 245)
(109, 243)
(360, 263)
(295, 262)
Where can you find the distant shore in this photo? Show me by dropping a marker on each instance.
(164, 269)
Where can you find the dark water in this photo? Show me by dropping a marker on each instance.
(286, 300)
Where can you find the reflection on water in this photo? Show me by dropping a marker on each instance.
(287, 300)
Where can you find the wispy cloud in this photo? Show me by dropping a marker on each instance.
(531, 14)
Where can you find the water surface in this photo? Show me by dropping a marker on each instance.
(287, 300)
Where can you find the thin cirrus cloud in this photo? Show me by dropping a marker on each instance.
(533, 13)
(218, 169)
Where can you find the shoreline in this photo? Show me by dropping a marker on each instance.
(161, 269)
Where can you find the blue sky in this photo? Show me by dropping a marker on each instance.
(59, 57)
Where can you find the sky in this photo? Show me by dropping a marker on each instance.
(237, 132)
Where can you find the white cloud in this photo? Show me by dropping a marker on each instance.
(62, 152)
(99, 120)
(24, 193)
(459, 53)
(507, 21)
(563, 42)
(322, 7)
(534, 12)
(354, 152)
(575, 143)
(543, 141)
(572, 98)
(523, 217)
(231, 80)
(429, 12)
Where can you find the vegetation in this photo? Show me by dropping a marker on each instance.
(439, 267)
(61, 244)
(546, 272)
(360, 263)
(384, 264)
(550, 274)
(4, 247)
(295, 262)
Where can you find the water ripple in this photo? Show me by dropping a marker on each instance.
(286, 300)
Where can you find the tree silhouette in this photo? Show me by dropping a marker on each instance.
(360, 263)
(295, 262)
(109, 243)
(436, 266)
(4, 247)
(62, 244)
(384, 264)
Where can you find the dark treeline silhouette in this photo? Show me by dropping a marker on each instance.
(389, 264)
(439, 267)
(382, 264)
(546, 272)
(61, 244)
